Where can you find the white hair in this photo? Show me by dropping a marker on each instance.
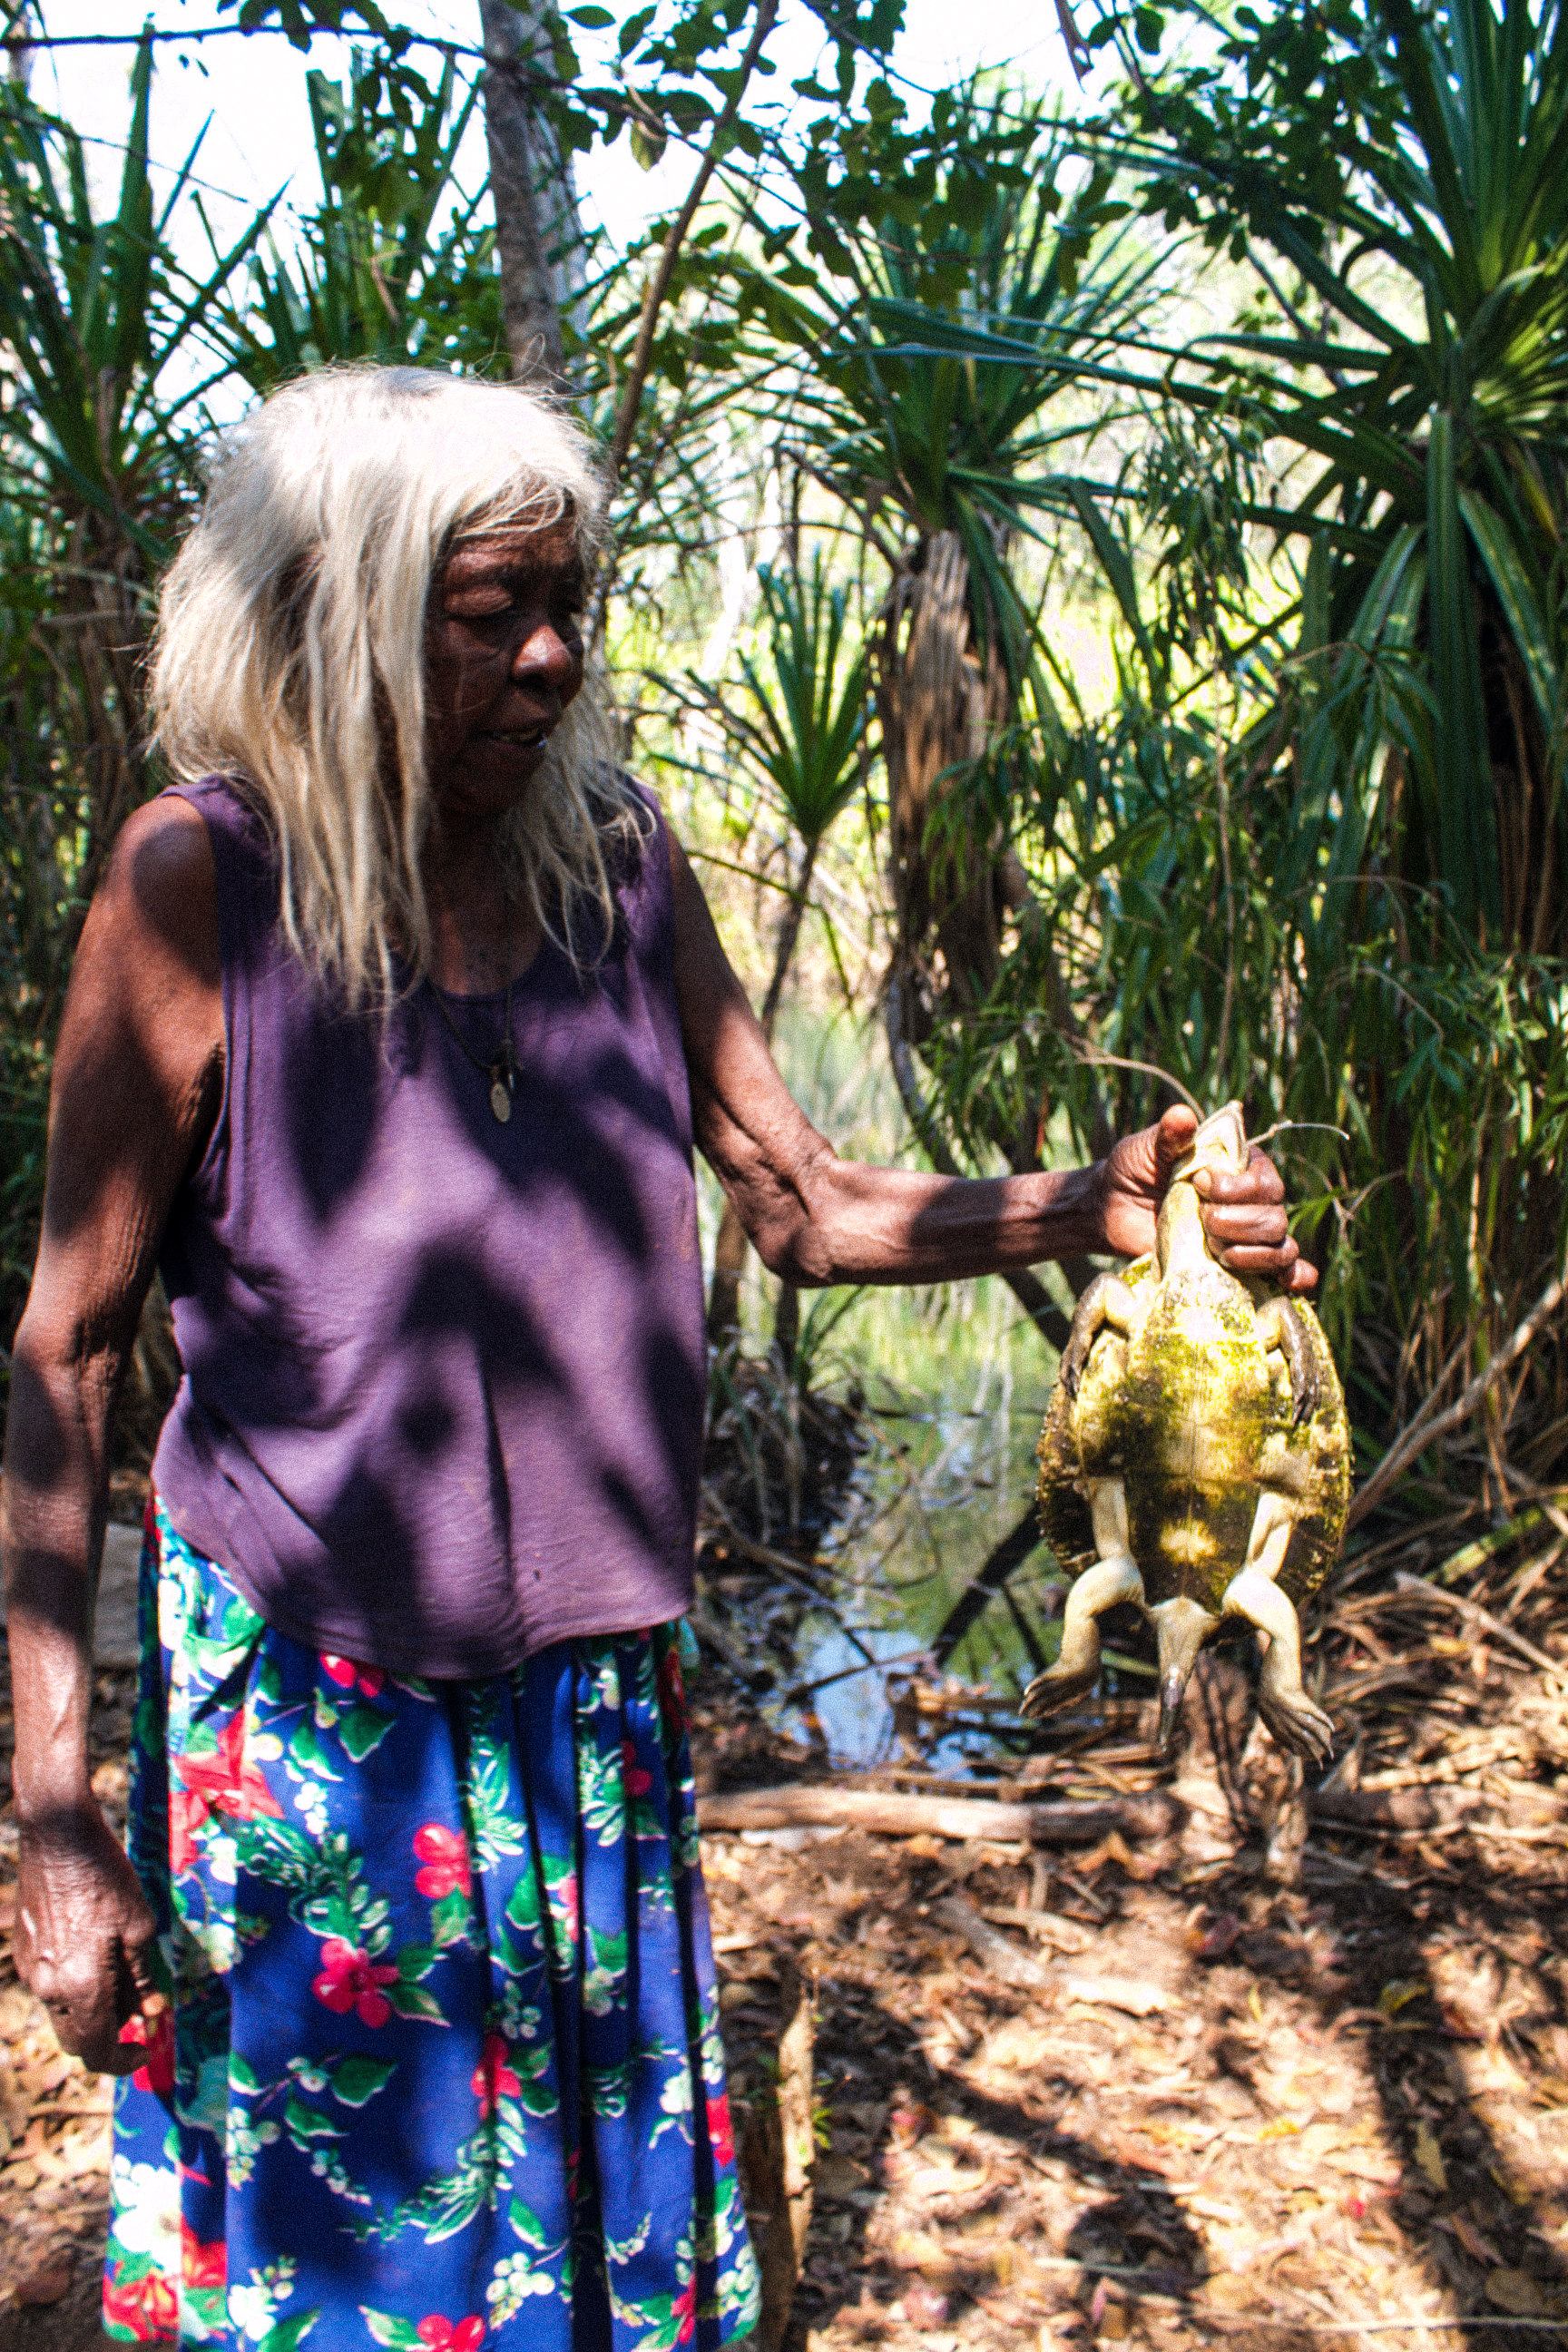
(290, 652)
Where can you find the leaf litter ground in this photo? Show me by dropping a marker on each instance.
(1284, 2082)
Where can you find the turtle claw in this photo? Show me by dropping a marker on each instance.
(1053, 1689)
(1296, 1721)
(1077, 1669)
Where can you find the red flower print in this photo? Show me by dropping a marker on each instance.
(157, 2072)
(352, 1980)
(493, 2078)
(202, 2265)
(441, 2336)
(565, 1895)
(187, 1811)
(148, 2308)
(719, 2132)
(220, 1783)
(637, 1779)
(672, 1690)
(445, 1854)
(684, 2308)
(348, 1672)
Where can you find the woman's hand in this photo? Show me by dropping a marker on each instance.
(1244, 1214)
(84, 1935)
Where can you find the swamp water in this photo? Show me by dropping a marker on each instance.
(947, 1387)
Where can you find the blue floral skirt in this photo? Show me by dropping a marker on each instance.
(440, 2067)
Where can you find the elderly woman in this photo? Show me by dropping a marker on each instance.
(391, 1031)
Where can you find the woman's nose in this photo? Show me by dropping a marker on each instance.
(543, 653)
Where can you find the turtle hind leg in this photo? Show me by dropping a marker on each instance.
(1114, 1576)
(1296, 1721)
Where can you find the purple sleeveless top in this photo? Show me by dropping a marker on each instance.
(443, 1379)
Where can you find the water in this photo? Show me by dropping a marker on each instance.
(956, 1381)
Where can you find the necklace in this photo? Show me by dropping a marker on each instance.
(502, 1071)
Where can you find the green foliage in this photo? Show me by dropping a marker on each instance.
(98, 467)
(1315, 855)
(800, 725)
(926, 246)
(1405, 168)
(395, 264)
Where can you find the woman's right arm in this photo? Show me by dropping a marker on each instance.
(137, 1079)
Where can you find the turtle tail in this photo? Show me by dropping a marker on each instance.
(1182, 1628)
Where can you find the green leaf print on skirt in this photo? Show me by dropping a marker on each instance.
(441, 2065)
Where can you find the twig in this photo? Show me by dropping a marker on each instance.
(1411, 2326)
(990, 1947)
(669, 254)
(1421, 1433)
(1419, 1589)
(1000, 1563)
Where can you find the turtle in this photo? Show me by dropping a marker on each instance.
(1195, 1460)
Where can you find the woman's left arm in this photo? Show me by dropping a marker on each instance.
(816, 1219)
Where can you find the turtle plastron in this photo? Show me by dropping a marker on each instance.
(1201, 1458)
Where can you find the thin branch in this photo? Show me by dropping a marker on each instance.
(1426, 1431)
(1029, 1290)
(658, 284)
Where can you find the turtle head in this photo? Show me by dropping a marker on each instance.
(1219, 1143)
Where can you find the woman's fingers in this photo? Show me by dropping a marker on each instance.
(1263, 1226)
(1249, 1230)
(85, 1935)
(1258, 1181)
(80, 1991)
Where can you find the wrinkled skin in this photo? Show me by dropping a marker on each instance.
(138, 1080)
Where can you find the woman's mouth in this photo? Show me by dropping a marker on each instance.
(519, 739)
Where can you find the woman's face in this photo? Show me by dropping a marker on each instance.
(503, 658)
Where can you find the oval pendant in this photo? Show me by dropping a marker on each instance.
(500, 1101)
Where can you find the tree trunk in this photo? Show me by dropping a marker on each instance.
(539, 237)
(939, 704)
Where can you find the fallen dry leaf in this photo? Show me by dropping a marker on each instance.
(1218, 1940)
(1516, 2293)
(49, 2284)
(1429, 2157)
(1481, 2249)
(837, 2176)
(1118, 1993)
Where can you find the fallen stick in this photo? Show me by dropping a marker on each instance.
(815, 1805)
(1428, 1426)
(1413, 1808)
(1420, 1589)
(992, 1950)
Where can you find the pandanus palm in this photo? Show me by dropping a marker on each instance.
(1410, 167)
(99, 458)
(798, 727)
(972, 226)
(396, 262)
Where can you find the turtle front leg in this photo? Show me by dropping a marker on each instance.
(1296, 1721)
(1114, 1576)
(1282, 1330)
